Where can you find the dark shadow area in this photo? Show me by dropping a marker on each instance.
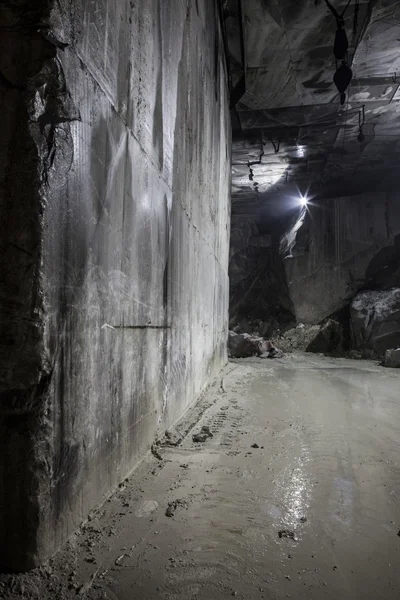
(383, 272)
(258, 281)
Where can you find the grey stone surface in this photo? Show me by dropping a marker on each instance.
(392, 358)
(375, 320)
(115, 191)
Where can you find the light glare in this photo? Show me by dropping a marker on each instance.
(303, 200)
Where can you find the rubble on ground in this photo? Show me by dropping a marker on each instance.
(286, 533)
(325, 338)
(244, 345)
(203, 435)
(374, 321)
(174, 505)
(298, 338)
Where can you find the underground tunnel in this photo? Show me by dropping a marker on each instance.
(200, 299)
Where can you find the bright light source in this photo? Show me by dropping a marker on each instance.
(303, 200)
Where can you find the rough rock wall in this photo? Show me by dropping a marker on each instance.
(342, 245)
(258, 288)
(375, 321)
(115, 169)
(317, 258)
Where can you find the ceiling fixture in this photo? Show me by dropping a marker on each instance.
(355, 18)
(256, 162)
(300, 151)
(276, 146)
(361, 137)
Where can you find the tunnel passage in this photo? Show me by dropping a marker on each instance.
(127, 128)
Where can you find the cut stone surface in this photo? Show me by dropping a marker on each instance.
(114, 188)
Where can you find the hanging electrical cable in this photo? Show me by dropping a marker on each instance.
(355, 19)
(276, 146)
(341, 44)
(256, 162)
(342, 79)
(361, 121)
(344, 74)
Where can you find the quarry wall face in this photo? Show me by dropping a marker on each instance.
(115, 206)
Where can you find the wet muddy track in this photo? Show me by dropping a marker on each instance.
(296, 494)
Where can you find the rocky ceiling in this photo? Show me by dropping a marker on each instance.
(289, 124)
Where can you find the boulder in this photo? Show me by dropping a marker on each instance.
(375, 320)
(392, 358)
(243, 345)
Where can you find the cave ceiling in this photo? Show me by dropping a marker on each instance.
(289, 124)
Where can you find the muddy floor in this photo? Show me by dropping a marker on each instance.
(293, 491)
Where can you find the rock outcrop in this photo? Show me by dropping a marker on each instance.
(375, 320)
(392, 358)
(341, 246)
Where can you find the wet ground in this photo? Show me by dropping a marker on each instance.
(295, 495)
